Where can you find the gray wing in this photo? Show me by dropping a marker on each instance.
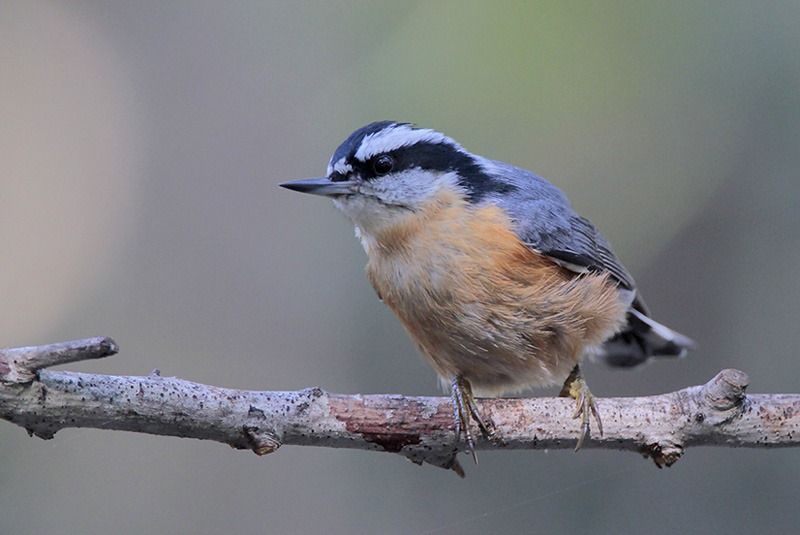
(545, 221)
(585, 248)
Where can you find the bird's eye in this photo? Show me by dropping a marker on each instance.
(383, 164)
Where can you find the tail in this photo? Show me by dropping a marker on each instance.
(641, 339)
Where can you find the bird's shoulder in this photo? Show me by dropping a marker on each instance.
(544, 219)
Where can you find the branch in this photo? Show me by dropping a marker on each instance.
(419, 428)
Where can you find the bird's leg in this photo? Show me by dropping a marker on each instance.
(464, 409)
(575, 387)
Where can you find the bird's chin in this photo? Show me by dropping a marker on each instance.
(349, 205)
(368, 213)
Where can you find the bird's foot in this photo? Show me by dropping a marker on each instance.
(585, 407)
(464, 410)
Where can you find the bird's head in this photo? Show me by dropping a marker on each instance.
(387, 171)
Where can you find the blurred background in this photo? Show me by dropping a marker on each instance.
(141, 144)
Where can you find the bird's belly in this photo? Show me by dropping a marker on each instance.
(496, 350)
(491, 309)
(502, 331)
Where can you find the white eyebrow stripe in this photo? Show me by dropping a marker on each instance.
(399, 136)
(340, 166)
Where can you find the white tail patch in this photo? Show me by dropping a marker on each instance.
(664, 332)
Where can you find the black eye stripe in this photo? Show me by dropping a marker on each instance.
(429, 156)
(442, 157)
(433, 156)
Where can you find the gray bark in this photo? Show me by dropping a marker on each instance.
(717, 413)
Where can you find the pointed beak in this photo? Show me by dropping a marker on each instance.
(321, 186)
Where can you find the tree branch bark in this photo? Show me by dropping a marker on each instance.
(717, 413)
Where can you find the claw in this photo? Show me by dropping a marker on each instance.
(596, 415)
(464, 410)
(461, 415)
(585, 406)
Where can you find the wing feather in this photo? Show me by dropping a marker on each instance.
(545, 221)
(586, 248)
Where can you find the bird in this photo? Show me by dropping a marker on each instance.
(501, 284)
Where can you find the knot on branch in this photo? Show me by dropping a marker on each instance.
(664, 453)
(703, 409)
(261, 441)
(726, 390)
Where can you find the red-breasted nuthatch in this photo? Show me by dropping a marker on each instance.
(495, 277)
